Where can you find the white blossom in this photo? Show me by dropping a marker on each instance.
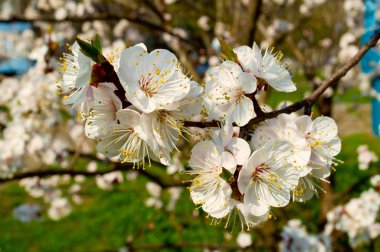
(266, 67)
(76, 68)
(59, 208)
(152, 80)
(244, 240)
(208, 188)
(268, 178)
(103, 111)
(226, 90)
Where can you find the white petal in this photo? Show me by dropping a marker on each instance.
(85, 69)
(141, 100)
(222, 136)
(243, 112)
(228, 162)
(245, 176)
(204, 154)
(247, 82)
(222, 212)
(228, 74)
(245, 56)
(256, 206)
(240, 149)
(271, 196)
(325, 128)
(320, 166)
(333, 146)
(261, 136)
(304, 191)
(304, 123)
(231, 67)
(129, 117)
(129, 59)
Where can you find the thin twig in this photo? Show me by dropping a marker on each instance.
(255, 19)
(114, 167)
(256, 106)
(180, 246)
(106, 17)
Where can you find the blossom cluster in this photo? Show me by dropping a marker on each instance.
(59, 201)
(296, 238)
(366, 157)
(33, 126)
(284, 160)
(141, 115)
(357, 218)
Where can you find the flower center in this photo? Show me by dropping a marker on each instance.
(259, 171)
(146, 86)
(239, 95)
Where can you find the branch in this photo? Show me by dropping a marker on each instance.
(343, 71)
(111, 76)
(114, 167)
(255, 19)
(154, 9)
(106, 17)
(201, 124)
(309, 101)
(51, 172)
(181, 246)
(256, 106)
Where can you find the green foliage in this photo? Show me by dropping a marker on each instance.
(227, 51)
(92, 50)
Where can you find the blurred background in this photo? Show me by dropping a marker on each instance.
(51, 199)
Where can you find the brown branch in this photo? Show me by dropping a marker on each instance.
(111, 76)
(201, 124)
(114, 167)
(255, 19)
(309, 101)
(180, 246)
(154, 9)
(256, 106)
(51, 172)
(184, 245)
(343, 71)
(106, 17)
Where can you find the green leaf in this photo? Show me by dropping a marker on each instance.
(89, 50)
(97, 43)
(227, 51)
(226, 174)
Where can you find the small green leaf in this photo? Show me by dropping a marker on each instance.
(96, 42)
(227, 51)
(226, 174)
(89, 50)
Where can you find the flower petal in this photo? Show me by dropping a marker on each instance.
(247, 82)
(240, 149)
(243, 112)
(228, 162)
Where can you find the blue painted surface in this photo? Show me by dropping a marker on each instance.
(15, 26)
(372, 58)
(376, 108)
(15, 65)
